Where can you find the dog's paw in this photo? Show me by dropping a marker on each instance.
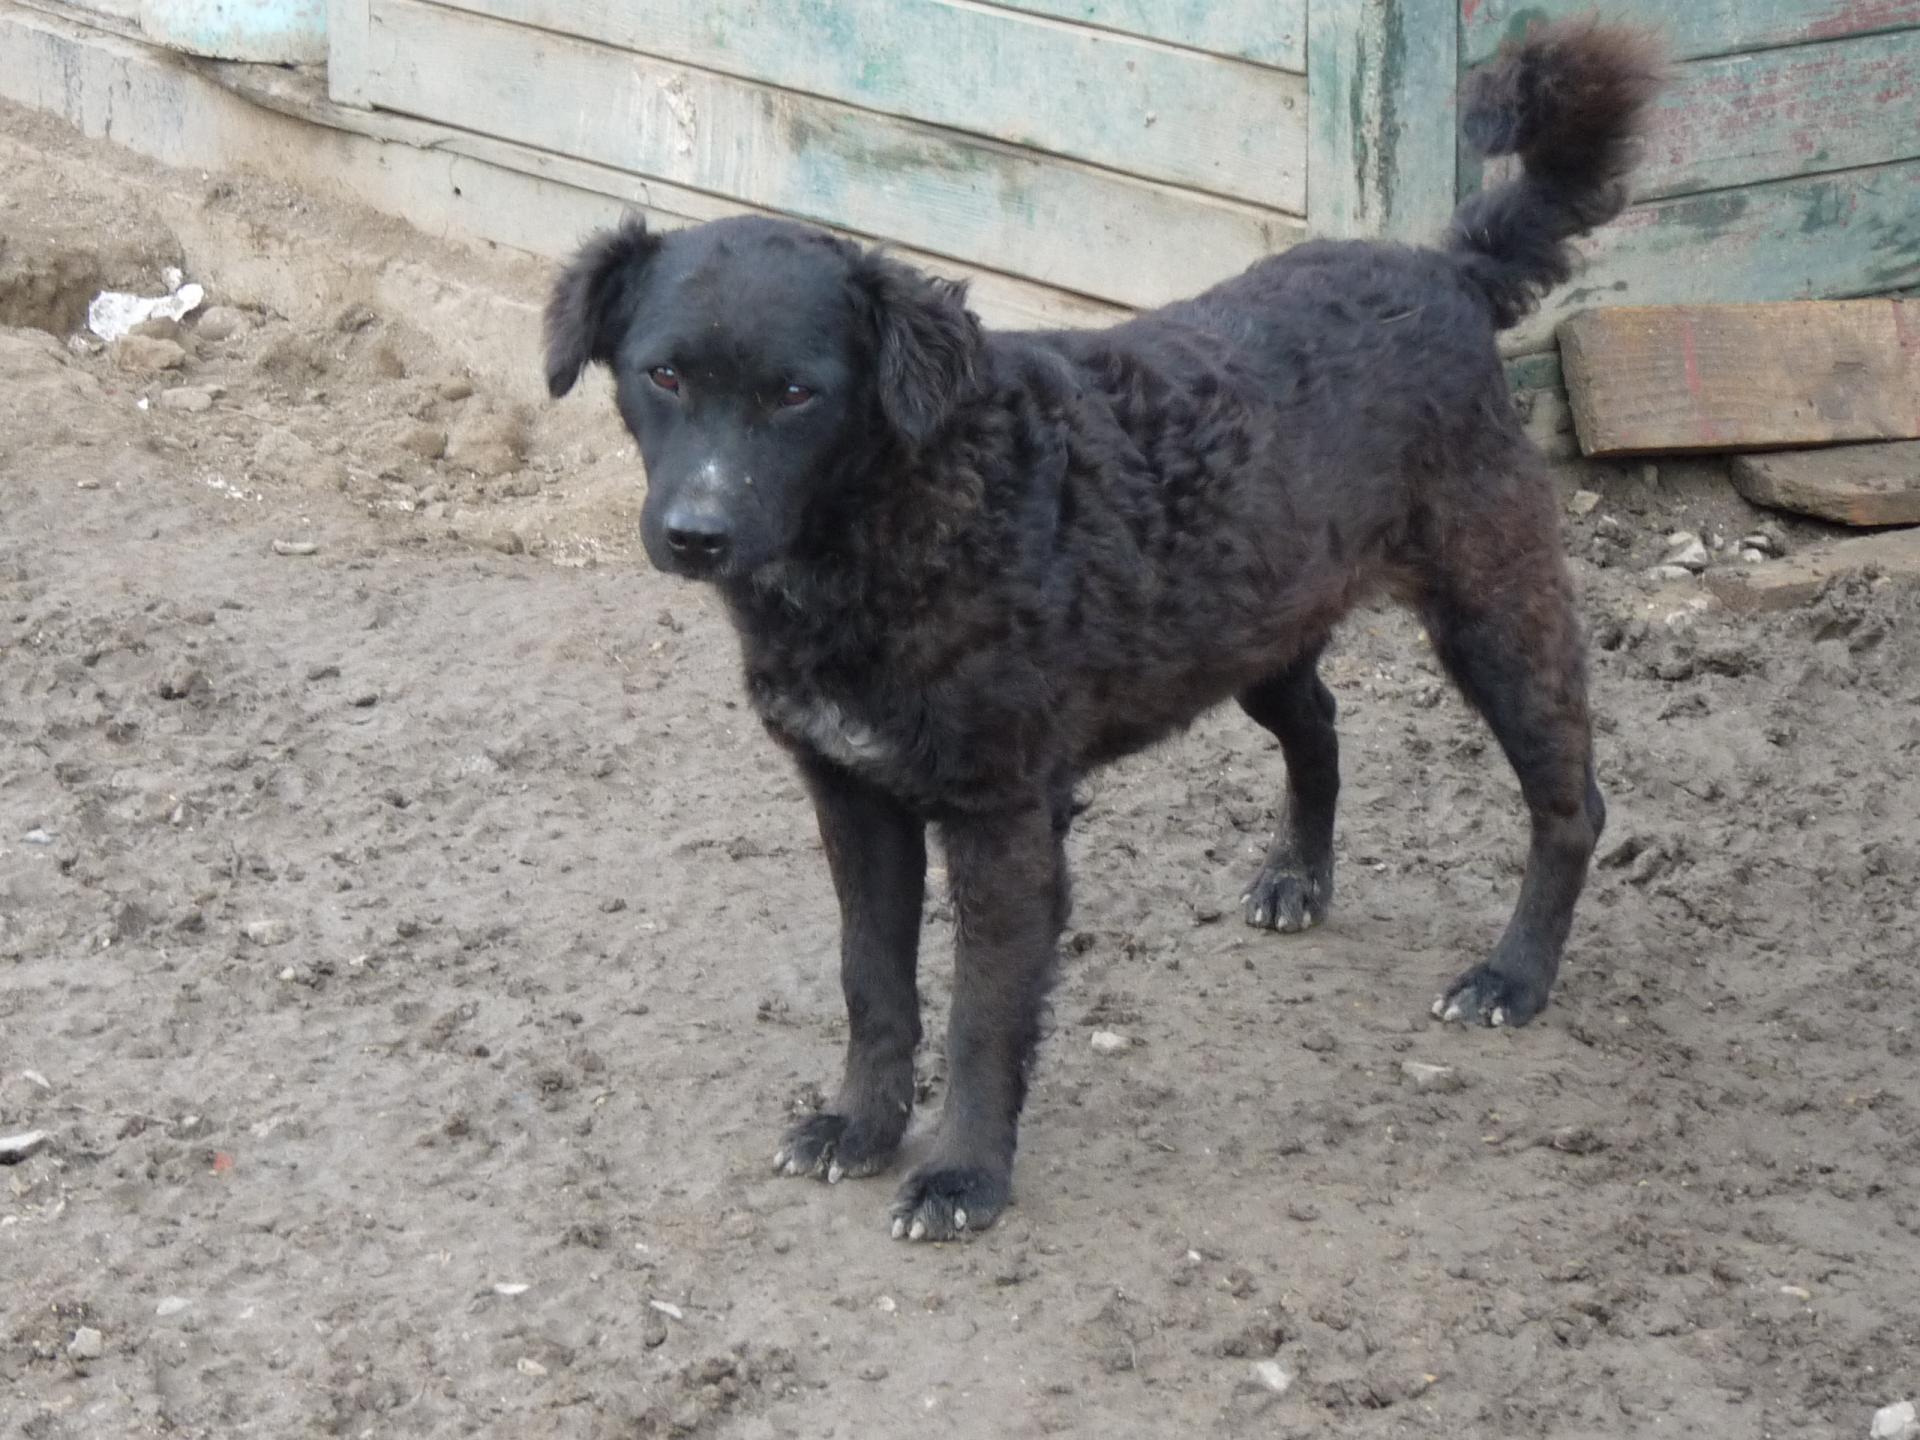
(1484, 996)
(832, 1147)
(944, 1202)
(1287, 896)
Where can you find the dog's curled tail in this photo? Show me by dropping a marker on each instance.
(1567, 99)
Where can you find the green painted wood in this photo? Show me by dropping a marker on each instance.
(1381, 117)
(1132, 105)
(347, 23)
(1693, 28)
(1775, 114)
(1083, 229)
(1271, 32)
(1819, 237)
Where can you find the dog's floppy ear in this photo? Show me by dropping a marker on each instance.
(592, 302)
(928, 344)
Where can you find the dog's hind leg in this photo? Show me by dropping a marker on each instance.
(1515, 650)
(878, 854)
(1295, 884)
(1009, 898)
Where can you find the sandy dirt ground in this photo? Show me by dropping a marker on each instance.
(412, 950)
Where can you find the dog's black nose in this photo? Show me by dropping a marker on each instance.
(699, 540)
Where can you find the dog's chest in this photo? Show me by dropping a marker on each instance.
(833, 727)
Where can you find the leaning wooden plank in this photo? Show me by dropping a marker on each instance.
(1380, 103)
(1850, 233)
(1124, 240)
(1271, 32)
(1694, 28)
(1651, 380)
(1779, 113)
(1783, 584)
(1134, 105)
(1850, 484)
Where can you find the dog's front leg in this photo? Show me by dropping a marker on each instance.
(877, 851)
(1009, 885)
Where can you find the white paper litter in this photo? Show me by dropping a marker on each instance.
(114, 312)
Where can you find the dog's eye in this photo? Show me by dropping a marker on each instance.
(666, 377)
(795, 395)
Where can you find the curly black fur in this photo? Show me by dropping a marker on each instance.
(967, 567)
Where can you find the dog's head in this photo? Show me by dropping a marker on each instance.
(758, 364)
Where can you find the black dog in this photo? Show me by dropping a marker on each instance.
(967, 567)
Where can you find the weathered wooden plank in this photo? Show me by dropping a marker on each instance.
(1133, 105)
(1101, 234)
(1781, 113)
(347, 38)
(1849, 484)
(1825, 236)
(1650, 380)
(542, 203)
(1270, 32)
(1693, 28)
(1381, 88)
(1783, 584)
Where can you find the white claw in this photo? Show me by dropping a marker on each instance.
(834, 1172)
(1499, 1016)
(1453, 1011)
(1437, 1007)
(780, 1158)
(919, 1230)
(1260, 915)
(899, 1227)
(959, 1219)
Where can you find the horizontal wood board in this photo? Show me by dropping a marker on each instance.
(1271, 32)
(1132, 105)
(1776, 114)
(1646, 381)
(1824, 236)
(1077, 227)
(1692, 28)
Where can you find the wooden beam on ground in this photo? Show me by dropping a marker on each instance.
(1783, 584)
(1850, 484)
(1648, 380)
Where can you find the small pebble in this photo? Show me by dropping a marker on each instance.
(527, 1365)
(295, 547)
(1436, 1079)
(671, 1311)
(653, 1331)
(1110, 1042)
(1273, 1375)
(1896, 1422)
(267, 932)
(171, 1306)
(1753, 556)
(37, 836)
(1671, 572)
(1584, 502)
(187, 399)
(1796, 1292)
(511, 1288)
(221, 322)
(1688, 551)
(872, 1374)
(88, 1344)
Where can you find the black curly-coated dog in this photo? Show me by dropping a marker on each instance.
(967, 567)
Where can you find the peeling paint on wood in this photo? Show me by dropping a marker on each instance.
(1780, 113)
(1819, 237)
(1271, 32)
(1073, 226)
(1693, 28)
(1380, 148)
(1133, 105)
